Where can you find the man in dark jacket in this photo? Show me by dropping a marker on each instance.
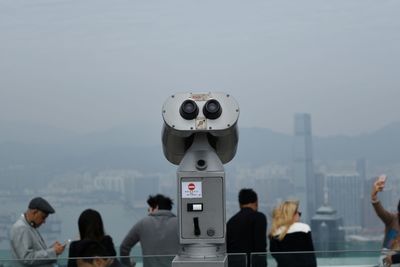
(247, 232)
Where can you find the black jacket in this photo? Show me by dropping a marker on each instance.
(396, 258)
(106, 242)
(246, 232)
(298, 239)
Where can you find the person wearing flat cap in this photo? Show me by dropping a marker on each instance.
(27, 245)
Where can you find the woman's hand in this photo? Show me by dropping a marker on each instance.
(378, 186)
(387, 261)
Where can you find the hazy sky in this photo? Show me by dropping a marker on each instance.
(87, 65)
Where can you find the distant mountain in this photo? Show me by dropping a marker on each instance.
(382, 145)
(35, 152)
(36, 133)
(259, 145)
(39, 152)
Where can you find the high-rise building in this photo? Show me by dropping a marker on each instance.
(361, 168)
(346, 197)
(303, 167)
(328, 234)
(327, 226)
(319, 179)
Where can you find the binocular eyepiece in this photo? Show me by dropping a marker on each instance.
(186, 114)
(189, 110)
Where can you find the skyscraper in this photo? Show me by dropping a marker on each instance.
(327, 226)
(347, 197)
(303, 167)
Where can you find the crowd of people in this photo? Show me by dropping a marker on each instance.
(290, 241)
(157, 233)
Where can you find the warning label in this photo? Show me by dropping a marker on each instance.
(191, 190)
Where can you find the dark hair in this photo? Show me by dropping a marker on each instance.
(398, 210)
(88, 249)
(91, 225)
(246, 196)
(160, 201)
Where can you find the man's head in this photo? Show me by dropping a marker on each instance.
(248, 198)
(91, 253)
(38, 211)
(160, 202)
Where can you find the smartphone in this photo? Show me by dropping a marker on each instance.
(382, 178)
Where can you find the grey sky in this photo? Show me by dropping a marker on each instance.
(94, 64)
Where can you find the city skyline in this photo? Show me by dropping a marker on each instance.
(82, 89)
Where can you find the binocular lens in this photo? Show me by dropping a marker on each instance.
(189, 110)
(212, 109)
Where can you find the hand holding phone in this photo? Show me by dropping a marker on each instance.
(380, 182)
(382, 178)
(58, 248)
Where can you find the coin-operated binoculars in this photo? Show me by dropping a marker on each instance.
(200, 135)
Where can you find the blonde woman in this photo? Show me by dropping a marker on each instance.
(289, 235)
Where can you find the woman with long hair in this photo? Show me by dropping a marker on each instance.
(91, 227)
(289, 235)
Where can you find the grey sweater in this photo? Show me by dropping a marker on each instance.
(157, 234)
(28, 246)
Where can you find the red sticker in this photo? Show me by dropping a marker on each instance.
(191, 186)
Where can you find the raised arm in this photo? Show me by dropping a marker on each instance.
(377, 187)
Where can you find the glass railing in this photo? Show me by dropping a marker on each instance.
(322, 258)
(148, 260)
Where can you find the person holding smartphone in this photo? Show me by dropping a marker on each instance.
(28, 248)
(391, 220)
